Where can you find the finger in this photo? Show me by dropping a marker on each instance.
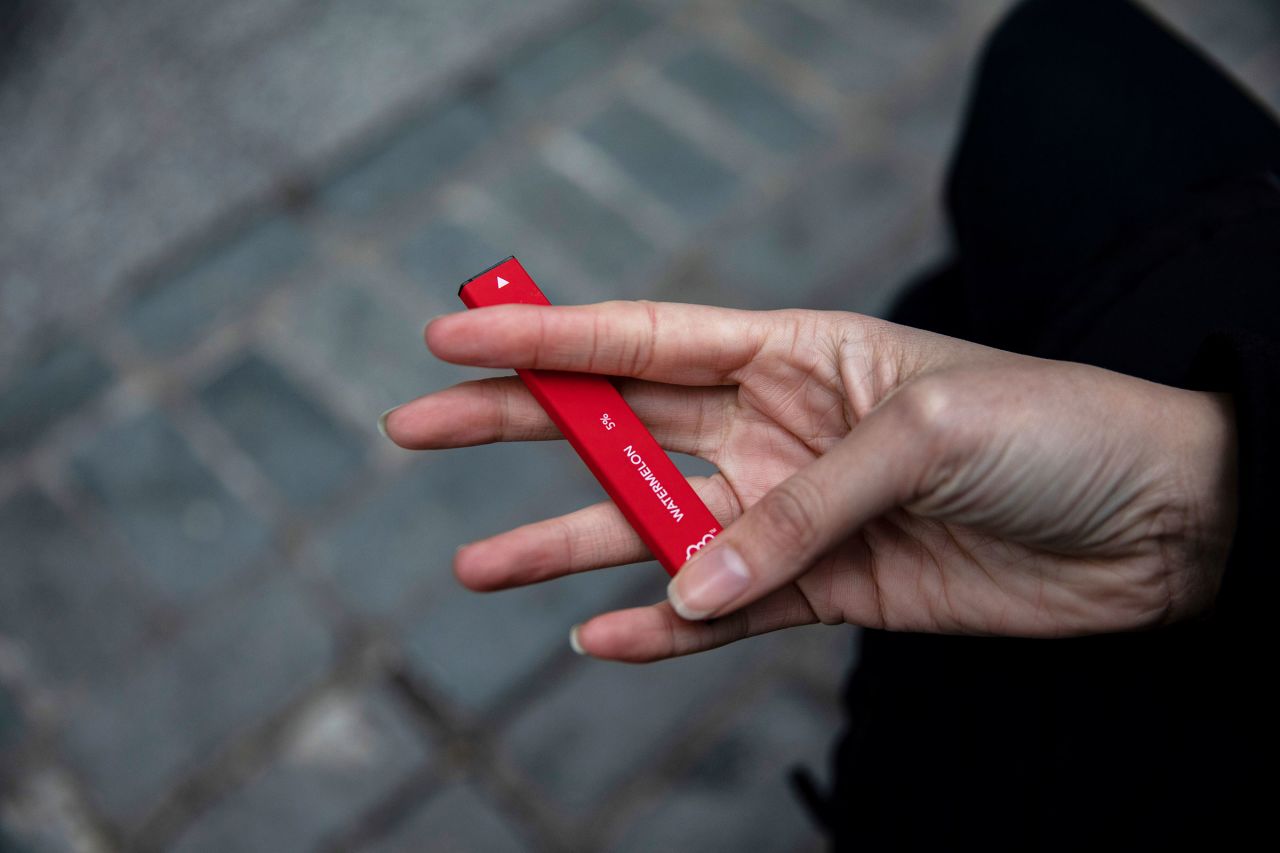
(661, 341)
(878, 466)
(593, 537)
(656, 632)
(501, 408)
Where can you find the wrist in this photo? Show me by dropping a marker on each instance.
(1206, 450)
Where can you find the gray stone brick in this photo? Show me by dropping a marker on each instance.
(1235, 32)
(338, 325)
(492, 487)
(543, 71)
(605, 722)
(596, 237)
(735, 796)
(456, 820)
(296, 443)
(877, 45)
(400, 545)
(9, 841)
(443, 254)
(807, 242)
(663, 163)
(71, 611)
(11, 723)
(188, 531)
(209, 30)
(98, 187)
(413, 160)
(346, 753)
(745, 98)
(319, 85)
(931, 16)
(394, 547)
(173, 313)
(926, 125)
(131, 740)
(793, 28)
(35, 396)
(475, 647)
(41, 814)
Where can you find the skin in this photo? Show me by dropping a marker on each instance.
(869, 473)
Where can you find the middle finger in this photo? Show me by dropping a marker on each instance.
(685, 419)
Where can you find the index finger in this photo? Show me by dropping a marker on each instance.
(661, 341)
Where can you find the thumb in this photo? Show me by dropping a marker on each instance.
(873, 469)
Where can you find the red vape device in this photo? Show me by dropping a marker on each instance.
(624, 456)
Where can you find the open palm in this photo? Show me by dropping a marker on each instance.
(867, 473)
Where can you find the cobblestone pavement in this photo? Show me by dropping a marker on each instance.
(227, 619)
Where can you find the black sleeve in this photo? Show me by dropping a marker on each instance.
(1247, 365)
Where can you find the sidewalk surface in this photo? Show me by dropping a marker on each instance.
(227, 618)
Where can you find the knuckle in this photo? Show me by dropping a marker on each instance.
(569, 553)
(542, 337)
(928, 407)
(644, 344)
(945, 427)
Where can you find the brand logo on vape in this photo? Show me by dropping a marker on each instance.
(700, 544)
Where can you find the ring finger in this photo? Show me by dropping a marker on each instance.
(593, 537)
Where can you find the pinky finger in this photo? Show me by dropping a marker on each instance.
(656, 632)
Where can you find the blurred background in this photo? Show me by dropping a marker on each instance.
(227, 618)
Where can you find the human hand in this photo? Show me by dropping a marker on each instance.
(869, 473)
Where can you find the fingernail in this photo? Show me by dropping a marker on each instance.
(574, 642)
(708, 583)
(382, 422)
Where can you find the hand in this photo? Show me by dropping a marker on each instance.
(869, 473)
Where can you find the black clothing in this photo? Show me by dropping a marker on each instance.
(1114, 200)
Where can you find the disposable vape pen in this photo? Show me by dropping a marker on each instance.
(622, 454)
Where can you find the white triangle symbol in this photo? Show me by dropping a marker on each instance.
(502, 282)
